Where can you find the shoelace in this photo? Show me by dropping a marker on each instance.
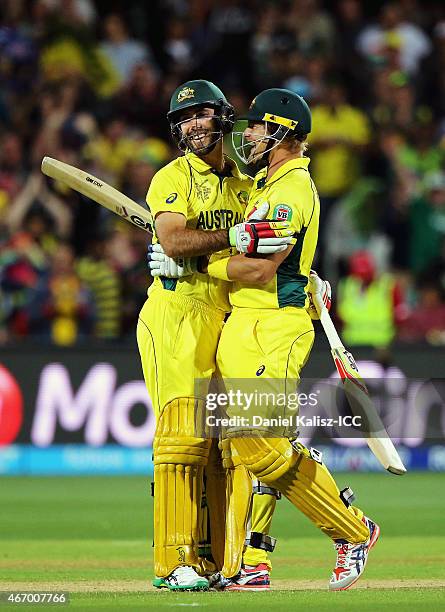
(344, 552)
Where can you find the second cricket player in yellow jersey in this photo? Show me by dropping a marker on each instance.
(269, 334)
(266, 315)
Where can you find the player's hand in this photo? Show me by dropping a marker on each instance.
(318, 286)
(260, 236)
(161, 265)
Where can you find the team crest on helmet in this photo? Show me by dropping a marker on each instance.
(185, 93)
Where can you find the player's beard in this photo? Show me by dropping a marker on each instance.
(202, 141)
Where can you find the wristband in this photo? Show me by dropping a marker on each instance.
(218, 268)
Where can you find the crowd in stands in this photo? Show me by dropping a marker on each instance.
(89, 82)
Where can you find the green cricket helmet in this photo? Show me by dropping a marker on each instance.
(283, 112)
(199, 94)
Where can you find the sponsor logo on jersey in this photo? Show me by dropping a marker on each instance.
(282, 212)
(218, 219)
(185, 93)
(171, 198)
(260, 370)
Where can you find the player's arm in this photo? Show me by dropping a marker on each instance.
(249, 237)
(179, 241)
(250, 270)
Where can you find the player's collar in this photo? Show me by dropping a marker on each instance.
(292, 164)
(198, 164)
(233, 167)
(203, 167)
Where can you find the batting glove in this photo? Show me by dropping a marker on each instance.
(257, 236)
(258, 213)
(161, 265)
(322, 287)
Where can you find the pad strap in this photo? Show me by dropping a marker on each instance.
(261, 540)
(347, 496)
(259, 488)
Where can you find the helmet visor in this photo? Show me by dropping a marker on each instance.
(199, 132)
(252, 139)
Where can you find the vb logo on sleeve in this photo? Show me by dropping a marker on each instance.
(282, 212)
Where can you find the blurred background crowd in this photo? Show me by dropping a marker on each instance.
(89, 82)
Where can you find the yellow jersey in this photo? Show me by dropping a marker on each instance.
(209, 201)
(292, 197)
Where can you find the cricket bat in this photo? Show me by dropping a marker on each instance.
(98, 191)
(358, 396)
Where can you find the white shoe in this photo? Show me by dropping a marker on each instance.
(352, 558)
(248, 579)
(184, 578)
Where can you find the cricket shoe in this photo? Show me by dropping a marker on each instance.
(248, 579)
(352, 558)
(184, 578)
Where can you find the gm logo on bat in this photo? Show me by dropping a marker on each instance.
(133, 218)
(91, 180)
(140, 222)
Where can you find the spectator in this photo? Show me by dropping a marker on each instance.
(427, 223)
(349, 25)
(101, 106)
(139, 174)
(112, 149)
(123, 52)
(355, 225)
(314, 27)
(61, 309)
(12, 165)
(339, 134)
(370, 304)
(178, 48)
(139, 102)
(394, 29)
(34, 194)
(103, 283)
(427, 320)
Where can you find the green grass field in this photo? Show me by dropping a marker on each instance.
(92, 537)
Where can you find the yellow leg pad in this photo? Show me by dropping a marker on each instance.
(305, 482)
(179, 460)
(238, 505)
(216, 503)
(263, 507)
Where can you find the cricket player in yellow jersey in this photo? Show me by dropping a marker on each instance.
(198, 203)
(270, 333)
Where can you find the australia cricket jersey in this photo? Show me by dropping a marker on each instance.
(292, 197)
(209, 201)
